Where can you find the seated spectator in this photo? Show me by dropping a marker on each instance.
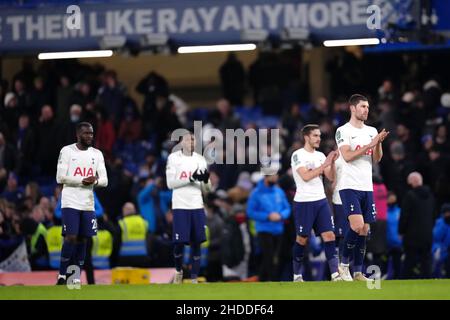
(244, 185)
(13, 192)
(25, 139)
(130, 129)
(47, 150)
(11, 111)
(64, 94)
(111, 96)
(105, 135)
(7, 160)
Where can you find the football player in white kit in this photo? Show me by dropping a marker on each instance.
(187, 175)
(80, 168)
(311, 208)
(358, 145)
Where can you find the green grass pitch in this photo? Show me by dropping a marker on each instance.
(407, 289)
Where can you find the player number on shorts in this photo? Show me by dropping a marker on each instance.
(94, 224)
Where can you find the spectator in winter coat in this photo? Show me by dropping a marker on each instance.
(416, 227)
(268, 206)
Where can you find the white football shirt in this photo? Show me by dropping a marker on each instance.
(186, 194)
(338, 164)
(313, 189)
(356, 174)
(73, 166)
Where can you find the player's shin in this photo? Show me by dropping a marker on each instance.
(80, 253)
(332, 256)
(67, 251)
(297, 261)
(349, 245)
(196, 255)
(360, 252)
(178, 256)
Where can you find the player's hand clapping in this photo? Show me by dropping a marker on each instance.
(89, 180)
(332, 156)
(379, 138)
(199, 175)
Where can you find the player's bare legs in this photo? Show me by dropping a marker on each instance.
(329, 241)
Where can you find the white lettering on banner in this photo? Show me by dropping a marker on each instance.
(15, 22)
(208, 17)
(53, 27)
(95, 29)
(339, 14)
(166, 21)
(251, 17)
(122, 23)
(144, 21)
(134, 21)
(319, 16)
(359, 14)
(109, 22)
(74, 33)
(189, 22)
(230, 19)
(33, 27)
(273, 13)
(295, 16)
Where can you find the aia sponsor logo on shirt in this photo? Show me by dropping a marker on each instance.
(185, 175)
(83, 172)
(368, 152)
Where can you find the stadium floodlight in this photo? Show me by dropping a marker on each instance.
(75, 54)
(217, 48)
(154, 39)
(254, 35)
(351, 42)
(295, 34)
(112, 42)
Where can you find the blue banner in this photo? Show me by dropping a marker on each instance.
(188, 22)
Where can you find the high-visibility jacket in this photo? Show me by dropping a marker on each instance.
(134, 235)
(40, 231)
(102, 246)
(54, 242)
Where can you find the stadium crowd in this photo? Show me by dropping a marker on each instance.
(40, 109)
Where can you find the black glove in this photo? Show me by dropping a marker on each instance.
(205, 176)
(199, 175)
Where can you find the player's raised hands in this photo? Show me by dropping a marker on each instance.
(330, 159)
(199, 175)
(336, 155)
(383, 134)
